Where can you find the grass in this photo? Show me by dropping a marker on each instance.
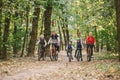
(103, 55)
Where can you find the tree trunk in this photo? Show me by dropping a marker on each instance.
(67, 31)
(33, 34)
(61, 42)
(101, 44)
(117, 4)
(78, 32)
(47, 25)
(64, 35)
(42, 26)
(0, 26)
(108, 46)
(5, 36)
(15, 34)
(97, 43)
(26, 31)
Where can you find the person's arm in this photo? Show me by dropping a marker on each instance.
(94, 41)
(66, 47)
(58, 40)
(73, 47)
(45, 43)
(82, 44)
(38, 42)
(49, 40)
(86, 40)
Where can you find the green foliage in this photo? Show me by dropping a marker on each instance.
(102, 56)
(80, 14)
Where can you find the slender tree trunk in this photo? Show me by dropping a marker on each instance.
(61, 42)
(67, 31)
(96, 35)
(108, 46)
(5, 36)
(78, 32)
(47, 25)
(101, 45)
(117, 4)
(15, 34)
(0, 26)
(26, 31)
(33, 34)
(64, 35)
(42, 26)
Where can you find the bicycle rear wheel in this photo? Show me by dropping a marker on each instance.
(89, 54)
(78, 55)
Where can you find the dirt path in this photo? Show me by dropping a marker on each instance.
(31, 69)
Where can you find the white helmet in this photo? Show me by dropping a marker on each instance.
(42, 36)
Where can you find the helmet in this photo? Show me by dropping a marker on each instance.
(42, 36)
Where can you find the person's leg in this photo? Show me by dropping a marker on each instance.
(81, 54)
(87, 48)
(57, 47)
(67, 54)
(92, 49)
(75, 53)
(71, 54)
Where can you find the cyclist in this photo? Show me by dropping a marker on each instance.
(90, 41)
(79, 47)
(55, 40)
(41, 44)
(69, 47)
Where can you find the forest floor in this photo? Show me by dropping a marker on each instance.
(30, 69)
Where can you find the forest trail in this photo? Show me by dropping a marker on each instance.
(31, 69)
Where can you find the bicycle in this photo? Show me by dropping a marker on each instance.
(89, 52)
(79, 54)
(53, 53)
(41, 52)
(69, 52)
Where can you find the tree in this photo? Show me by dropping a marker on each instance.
(15, 50)
(1, 2)
(33, 34)
(26, 31)
(5, 35)
(117, 4)
(47, 22)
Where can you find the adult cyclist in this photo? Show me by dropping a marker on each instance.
(55, 40)
(90, 41)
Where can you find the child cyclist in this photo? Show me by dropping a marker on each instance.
(69, 47)
(79, 47)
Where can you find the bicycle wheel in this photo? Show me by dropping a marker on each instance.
(70, 56)
(89, 54)
(51, 56)
(56, 56)
(78, 55)
(39, 54)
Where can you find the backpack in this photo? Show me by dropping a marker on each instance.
(54, 37)
(69, 47)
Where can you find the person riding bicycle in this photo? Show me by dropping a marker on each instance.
(41, 44)
(55, 40)
(69, 47)
(90, 41)
(79, 47)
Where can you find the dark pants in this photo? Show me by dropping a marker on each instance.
(57, 46)
(41, 50)
(90, 46)
(79, 50)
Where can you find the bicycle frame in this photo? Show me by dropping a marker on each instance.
(89, 54)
